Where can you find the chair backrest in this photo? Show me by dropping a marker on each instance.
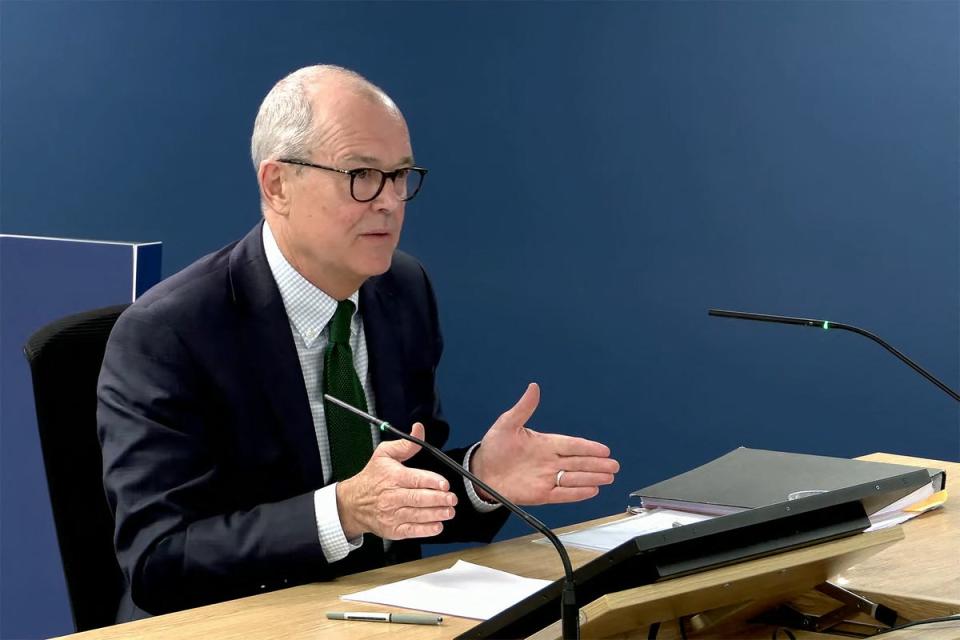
(65, 358)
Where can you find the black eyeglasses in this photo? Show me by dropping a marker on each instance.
(366, 183)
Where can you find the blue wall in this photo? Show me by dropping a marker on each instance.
(601, 173)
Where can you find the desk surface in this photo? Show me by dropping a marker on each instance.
(926, 564)
(923, 568)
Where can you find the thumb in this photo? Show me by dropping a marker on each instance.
(517, 415)
(401, 450)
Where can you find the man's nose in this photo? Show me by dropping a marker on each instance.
(388, 200)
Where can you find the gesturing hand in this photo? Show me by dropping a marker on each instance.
(522, 464)
(394, 501)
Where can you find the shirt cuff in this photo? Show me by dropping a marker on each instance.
(332, 539)
(478, 503)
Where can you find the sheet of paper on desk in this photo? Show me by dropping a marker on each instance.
(465, 589)
(907, 508)
(607, 536)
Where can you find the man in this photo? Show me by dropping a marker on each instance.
(227, 472)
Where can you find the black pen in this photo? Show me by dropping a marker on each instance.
(372, 616)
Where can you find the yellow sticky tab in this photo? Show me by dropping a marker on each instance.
(934, 501)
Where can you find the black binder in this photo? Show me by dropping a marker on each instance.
(750, 478)
(706, 545)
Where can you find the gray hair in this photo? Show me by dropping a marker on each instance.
(285, 122)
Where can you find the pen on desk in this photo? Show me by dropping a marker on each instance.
(397, 618)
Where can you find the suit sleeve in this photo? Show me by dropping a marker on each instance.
(176, 543)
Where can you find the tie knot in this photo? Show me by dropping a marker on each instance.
(340, 324)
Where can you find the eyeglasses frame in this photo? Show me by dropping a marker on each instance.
(384, 175)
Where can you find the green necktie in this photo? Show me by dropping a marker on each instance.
(350, 443)
(349, 436)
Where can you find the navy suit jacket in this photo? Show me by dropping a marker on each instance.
(210, 459)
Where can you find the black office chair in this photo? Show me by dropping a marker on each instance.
(65, 358)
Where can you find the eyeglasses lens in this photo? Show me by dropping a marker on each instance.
(367, 184)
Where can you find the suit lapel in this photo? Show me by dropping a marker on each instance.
(378, 310)
(267, 337)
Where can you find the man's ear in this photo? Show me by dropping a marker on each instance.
(274, 186)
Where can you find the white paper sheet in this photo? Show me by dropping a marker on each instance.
(465, 589)
(894, 514)
(607, 536)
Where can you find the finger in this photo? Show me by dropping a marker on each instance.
(571, 494)
(412, 530)
(573, 446)
(572, 479)
(595, 465)
(518, 414)
(407, 478)
(418, 516)
(420, 498)
(401, 450)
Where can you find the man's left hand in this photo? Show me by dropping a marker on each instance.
(523, 464)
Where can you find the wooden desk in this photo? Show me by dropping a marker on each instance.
(919, 576)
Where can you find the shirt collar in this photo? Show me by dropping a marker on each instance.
(308, 308)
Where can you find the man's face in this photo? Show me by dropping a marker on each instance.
(335, 241)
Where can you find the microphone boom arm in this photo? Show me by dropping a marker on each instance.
(826, 324)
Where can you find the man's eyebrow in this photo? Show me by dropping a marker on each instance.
(371, 161)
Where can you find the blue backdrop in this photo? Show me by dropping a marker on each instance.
(601, 174)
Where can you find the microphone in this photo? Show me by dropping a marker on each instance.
(569, 611)
(826, 325)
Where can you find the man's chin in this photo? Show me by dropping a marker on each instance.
(377, 267)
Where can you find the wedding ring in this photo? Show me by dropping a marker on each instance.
(560, 476)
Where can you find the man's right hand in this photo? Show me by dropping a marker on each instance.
(391, 500)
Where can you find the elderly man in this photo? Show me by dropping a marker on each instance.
(227, 472)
